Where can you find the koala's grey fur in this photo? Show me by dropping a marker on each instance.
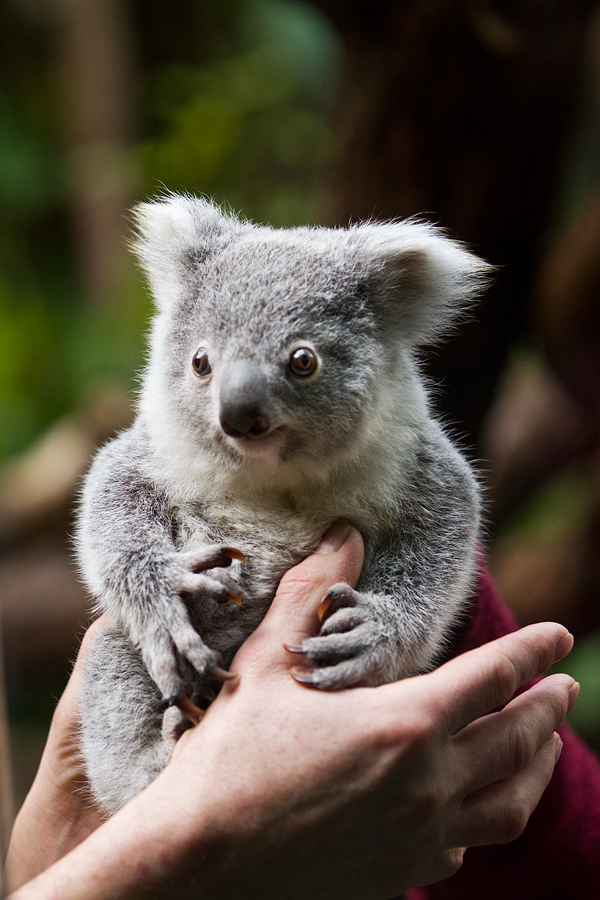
(354, 440)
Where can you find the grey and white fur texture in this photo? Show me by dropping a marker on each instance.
(281, 393)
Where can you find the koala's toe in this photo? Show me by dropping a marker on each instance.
(331, 648)
(333, 678)
(343, 620)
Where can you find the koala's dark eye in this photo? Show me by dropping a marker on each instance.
(200, 363)
(303, 362)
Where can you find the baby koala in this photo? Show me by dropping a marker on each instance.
(281, 393)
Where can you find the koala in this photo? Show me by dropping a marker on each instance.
(282, 392)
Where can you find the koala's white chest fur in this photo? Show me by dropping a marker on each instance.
(274, 531)
(282, 393)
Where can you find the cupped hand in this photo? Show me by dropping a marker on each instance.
(59, 811)
(284, 790)
(370, 791)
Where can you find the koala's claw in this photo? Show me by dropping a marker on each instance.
(350, 646)
(222, 674)
(323, 607)
(189, 709)
(188, 575)
(232, 553)
(291, 649)
(217, 557)
(302, 675)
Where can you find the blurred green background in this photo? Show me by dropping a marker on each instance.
(227, 99)
(483, 117)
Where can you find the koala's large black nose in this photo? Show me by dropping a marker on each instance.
(244, 400)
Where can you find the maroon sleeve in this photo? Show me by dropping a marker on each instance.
(558, 855)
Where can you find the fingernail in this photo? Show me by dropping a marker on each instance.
(335, 537)
(573, 695)
(563, 646)
(557, 749)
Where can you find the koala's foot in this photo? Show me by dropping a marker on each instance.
(162, 636)
(352, 646)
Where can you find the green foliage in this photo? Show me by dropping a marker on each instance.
(236, 109)
(27, 169)
(250, 130)
(557, 508)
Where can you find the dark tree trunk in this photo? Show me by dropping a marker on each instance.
(459, 111)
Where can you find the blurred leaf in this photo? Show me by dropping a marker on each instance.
(251, 129)
(556, 508)
(238, 114)
(26, 172)
(301, 41)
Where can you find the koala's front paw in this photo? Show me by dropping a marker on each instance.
(171, 630)
(351, 648)
(186, 572)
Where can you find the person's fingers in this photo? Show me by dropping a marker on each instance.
(68, 705)
(440, 867)
(293, 615)
(504, 743)
(486, 678)
(499, 813)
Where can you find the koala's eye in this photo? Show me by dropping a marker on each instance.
(303, 362)
(200, 363)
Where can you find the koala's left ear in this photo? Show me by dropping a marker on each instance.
(420, 279)
(174, 236)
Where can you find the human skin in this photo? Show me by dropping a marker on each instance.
(284, 790)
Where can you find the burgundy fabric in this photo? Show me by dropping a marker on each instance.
(558, 855)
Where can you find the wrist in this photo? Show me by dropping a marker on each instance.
(161, 841)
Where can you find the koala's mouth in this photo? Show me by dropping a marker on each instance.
(258, 444)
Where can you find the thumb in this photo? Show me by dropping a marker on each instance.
(293, 614)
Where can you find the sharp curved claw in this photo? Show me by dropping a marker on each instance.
(189, 709)
(232, 553)
(234, 598)
(325, 604)
(302, 676)
(222, 674)
(291, 649)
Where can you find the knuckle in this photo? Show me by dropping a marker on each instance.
(514, 819)
(450, 863)
(507, 678)
(522, 745)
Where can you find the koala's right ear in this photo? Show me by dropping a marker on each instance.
(174, 237)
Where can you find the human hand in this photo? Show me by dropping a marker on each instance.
(59, 811)
(288, 791)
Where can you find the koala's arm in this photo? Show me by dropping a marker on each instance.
(130, 562)
(418, 573)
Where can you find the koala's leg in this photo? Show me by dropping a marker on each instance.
(126, 737)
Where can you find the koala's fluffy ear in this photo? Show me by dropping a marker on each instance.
(421, 280)
(173, 237)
